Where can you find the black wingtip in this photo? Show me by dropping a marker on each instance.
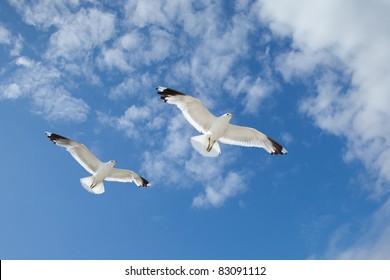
(54, 137)
(145, 183)
(164, 91)
(164, 98)
(278, 149)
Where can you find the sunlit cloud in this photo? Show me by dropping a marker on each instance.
(41, 84)
(345, 60)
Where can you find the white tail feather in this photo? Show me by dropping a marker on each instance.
(200, 144)
(87, 183)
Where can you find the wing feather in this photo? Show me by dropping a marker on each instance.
(78, 151)
(250, 137)
(193, 110)
(123, 175)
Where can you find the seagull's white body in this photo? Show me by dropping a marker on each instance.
(219, 126)
(94, 183)
(207, 144)
(100, 170)
(104, 171)
(216, 129)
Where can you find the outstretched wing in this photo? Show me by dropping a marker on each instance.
(193, 110)
(78, 151)
(122, 175)
(250, 137)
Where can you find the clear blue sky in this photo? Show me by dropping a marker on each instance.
(313, 75)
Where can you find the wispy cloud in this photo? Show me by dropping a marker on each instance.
(45, 13)
(12, 41)
(134, 122)
(40, 84)
(69, 53)
(359, 111)
(346, 61)
(220, 190)
(80, 33)
(5, 36)
(369, 242)
(57, 104)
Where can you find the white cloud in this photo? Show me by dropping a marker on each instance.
(135, 49)
(165, 159)
(40, 84)
(203, 53)
(133, 122)
(254, 90)
(137, 85)
(219, 49)
(45, 13)
(303, 62)
(112, 57)
(141, 13)
(342, 47)
(352, 43)
(220, 190)
(12, 41)
(11, 91)
(79, 33)
(5, 36)
(125, 54)
(30, 76)
(24, 61)
(56, 104)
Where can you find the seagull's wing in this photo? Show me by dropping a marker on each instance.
(123, 175)
(250, 137)
(78, 151)
(193, 110)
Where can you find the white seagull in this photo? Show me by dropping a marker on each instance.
(216, 129)
(100, 170)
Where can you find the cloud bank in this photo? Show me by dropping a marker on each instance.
(340, 47)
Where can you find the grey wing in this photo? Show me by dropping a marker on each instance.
(250, 137)
(123, 175)
(78, 151)
(193, 110)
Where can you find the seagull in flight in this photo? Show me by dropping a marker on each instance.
(100, 170)
(216, 129)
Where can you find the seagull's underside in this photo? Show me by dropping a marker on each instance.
(100, 171)
(216, 129)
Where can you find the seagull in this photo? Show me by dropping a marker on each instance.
(100, 170)
(216, 129)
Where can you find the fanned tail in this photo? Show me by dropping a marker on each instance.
(87, 183)
(201, 142)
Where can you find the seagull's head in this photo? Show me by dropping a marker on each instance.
(113, 162)
(228, 115)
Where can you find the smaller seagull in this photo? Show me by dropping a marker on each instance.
(100, 170)
(216, 129)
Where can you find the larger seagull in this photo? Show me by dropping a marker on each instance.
(216, 129)
(100, 170)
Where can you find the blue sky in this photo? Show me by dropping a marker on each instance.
(311, 74)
